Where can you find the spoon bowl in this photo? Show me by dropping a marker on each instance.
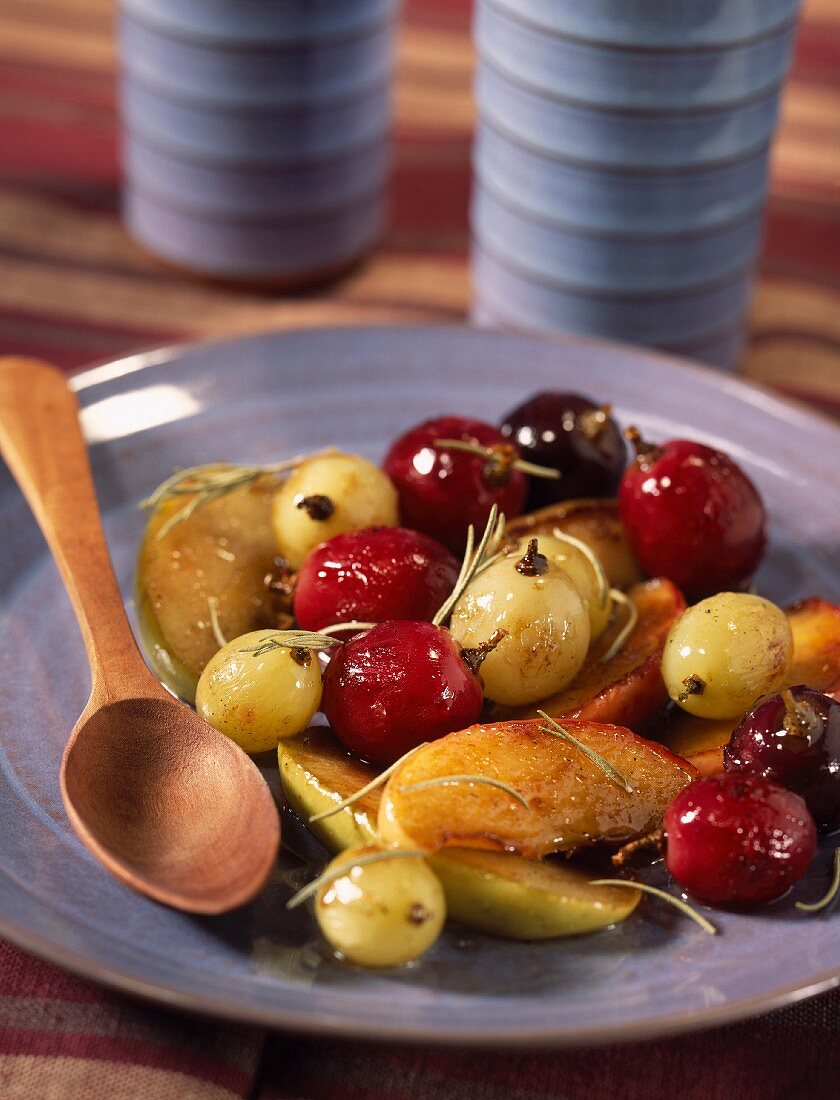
(153, 790)
(169, 805)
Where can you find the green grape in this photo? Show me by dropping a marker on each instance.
(383, 913)
(588, 577)
(258, 699)
(725, 652)
(545, 620)
(327, 495)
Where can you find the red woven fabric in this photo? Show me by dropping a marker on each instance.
(74, 289)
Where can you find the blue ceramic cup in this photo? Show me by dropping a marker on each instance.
(256, 133)
(621, 164)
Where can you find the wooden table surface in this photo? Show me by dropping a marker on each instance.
(74, 288)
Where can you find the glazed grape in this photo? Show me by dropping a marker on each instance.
(725, 652)
(397, 685)
(257, 699)
(380, 914)
(443, 491)
(693, 516)
(587, 576)
(374, 575)
(794, 739)
(573, 435)
(325, 496)
(738, 839)
(545, 620)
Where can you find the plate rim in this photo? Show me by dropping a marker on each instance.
(394, 1031)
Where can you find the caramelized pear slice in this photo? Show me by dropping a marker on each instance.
(815, 625)
(223, 551)
(593, 521)
(626, 690)
(571, 801)
(496, 892)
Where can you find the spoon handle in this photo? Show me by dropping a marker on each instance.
(42, 442)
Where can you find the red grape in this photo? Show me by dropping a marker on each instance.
(443, 491)
(569, 433)
(693, 516)
(738, 839)
(397, 685)
(794, 739)
(373, 575)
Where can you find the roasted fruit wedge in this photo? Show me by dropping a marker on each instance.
(433, 800)
(496, 892)
(815, 625)
(523, 899)
(316, 773)
(626, 690)
(223, 551)
(595, 522)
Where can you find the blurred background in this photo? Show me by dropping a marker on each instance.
(74, 288)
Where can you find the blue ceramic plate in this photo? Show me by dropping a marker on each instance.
(269, 396)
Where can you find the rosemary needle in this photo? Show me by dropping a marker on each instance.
(331, 874)
(445, 780)
(663, 895)
(612, 773)
(831, 893)
(368, 787)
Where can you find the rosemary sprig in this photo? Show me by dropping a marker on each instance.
(215, 625)
(830, 895)
(368, 787)
(292, 639)
(663, 895)
(446, 780)
(594, 561)
(206, 483)
(473, 561)
(612, 773)
(331, 874)
(633, 618)
(504, 455)
(353, 624)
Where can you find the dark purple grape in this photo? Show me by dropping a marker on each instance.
(794, 739)
(571, 434)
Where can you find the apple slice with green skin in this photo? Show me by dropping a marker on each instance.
(571, 802)
(815, 626)
(595, 522)
(223, 551)
(496, 892)
(626, 690)
(523, 899)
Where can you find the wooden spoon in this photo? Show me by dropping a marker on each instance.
(168, 804)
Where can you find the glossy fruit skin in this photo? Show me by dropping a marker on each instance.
(808, 764)
(355, 492)
(381, 914)
(258, 699)
(693, 516)
(733, 648)
(442, 492)
(549, 431)
(397, 685)
(374, 575)
(546, 623)
(738, 839)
